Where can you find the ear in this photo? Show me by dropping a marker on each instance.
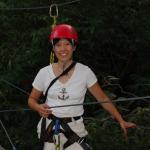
(74, 48)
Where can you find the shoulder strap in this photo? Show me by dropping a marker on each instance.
(55, 79)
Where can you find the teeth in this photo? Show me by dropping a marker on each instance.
(63, 54)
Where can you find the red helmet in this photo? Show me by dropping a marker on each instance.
(64, 31)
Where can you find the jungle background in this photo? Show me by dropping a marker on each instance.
(114, 40)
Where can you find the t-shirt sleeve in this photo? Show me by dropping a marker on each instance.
(38, 81)
(91, 78)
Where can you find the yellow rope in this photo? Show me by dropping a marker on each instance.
(54, 22)
(52, 58)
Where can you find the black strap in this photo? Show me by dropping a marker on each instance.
(44, 134)
(47, 133)
(54, 80)
(73, 137)
(70, 134)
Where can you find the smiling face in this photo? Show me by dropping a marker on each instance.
(63, 50)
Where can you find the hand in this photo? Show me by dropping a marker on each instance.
(125, 125)
(44, 110)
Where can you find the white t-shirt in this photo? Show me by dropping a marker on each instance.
(71, 92)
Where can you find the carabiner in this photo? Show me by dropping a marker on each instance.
(56, 10)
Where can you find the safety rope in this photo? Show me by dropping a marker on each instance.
(88, 103)
(10, 141)
(38, 7)
(16, 87)
(53, 12)
(113, 122)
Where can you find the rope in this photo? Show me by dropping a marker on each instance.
(88, 103)
(53, 8)
(108, 119)
(102, 102)
(10, 141)
(85, 104)
(16, 87)
(38, 7)
(15, 110)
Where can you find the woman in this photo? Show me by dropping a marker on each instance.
(68, 89)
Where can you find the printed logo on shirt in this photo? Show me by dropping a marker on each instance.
(63, 94)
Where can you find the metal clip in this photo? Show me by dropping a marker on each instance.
(56, 139)
(53, 6)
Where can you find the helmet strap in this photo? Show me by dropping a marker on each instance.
(52, 43)
(72, 42)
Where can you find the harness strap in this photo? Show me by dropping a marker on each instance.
(45, 136)
(85, 146)
(57, 126)
(55, 79)
(73, 137)
(48, 133)
(70, 134)
(56, 139)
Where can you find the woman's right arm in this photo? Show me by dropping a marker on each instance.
(42, 109)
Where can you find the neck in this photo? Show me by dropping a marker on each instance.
(63, 65)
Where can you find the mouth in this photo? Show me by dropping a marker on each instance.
(63, 54)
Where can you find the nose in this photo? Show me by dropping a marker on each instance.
(63, 47)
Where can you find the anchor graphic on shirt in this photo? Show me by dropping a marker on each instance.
(63, 94)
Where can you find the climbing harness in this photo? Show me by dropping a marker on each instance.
(45, 134)
(60, 125)
(56, 136)
(53, 135)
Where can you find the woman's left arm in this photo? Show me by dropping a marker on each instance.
(99, 94)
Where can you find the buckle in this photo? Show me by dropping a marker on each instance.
(77, 118)
(66, 120)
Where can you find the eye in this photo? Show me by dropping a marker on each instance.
(58, 45)
(67, 44)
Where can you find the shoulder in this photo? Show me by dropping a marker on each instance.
(83, 67)
(45, 69)
(84, 70)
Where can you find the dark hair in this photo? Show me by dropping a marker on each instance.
(72, 42)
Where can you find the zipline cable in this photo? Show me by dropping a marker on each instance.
(86, 103)
(10, 141)
(16, 87)
(38, 7)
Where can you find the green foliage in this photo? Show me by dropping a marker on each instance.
(114, 39)
(106, 134)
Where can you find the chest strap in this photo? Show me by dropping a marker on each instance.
(55, 79)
